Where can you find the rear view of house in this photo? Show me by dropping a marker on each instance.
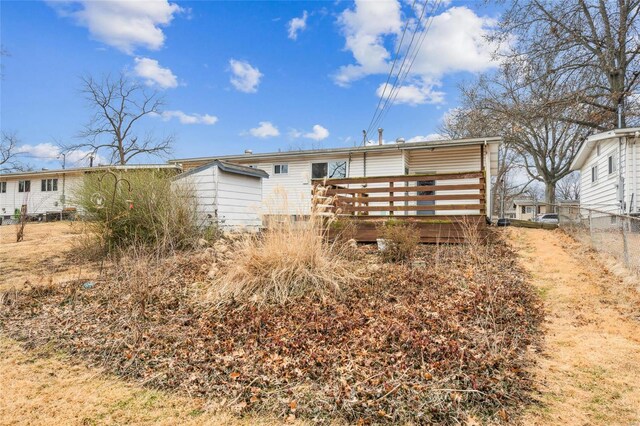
(450, 179)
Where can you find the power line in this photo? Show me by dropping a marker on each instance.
(395, 59)
(413, 36)
(394, 95)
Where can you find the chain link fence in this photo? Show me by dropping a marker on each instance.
(616, 235)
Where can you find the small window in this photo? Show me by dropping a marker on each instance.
(332, 169)
(48, 185)
(612, 163)
(280, 169)
(24, 186)
(523, 209)
(529, 209)
(594, 174)
(3, 187)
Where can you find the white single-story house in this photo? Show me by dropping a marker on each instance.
(293, 173)
(609, 165)
(51, 191)
(229, 195)
(528, 209)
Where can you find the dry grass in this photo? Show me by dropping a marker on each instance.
(45, 388)
(588, 373)
(401, 240)
(288, 260)
(46, 256)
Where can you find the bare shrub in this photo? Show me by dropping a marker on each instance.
(401, 240)
(139, 208)
(289, 259)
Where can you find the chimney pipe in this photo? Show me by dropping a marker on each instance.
(380, 136)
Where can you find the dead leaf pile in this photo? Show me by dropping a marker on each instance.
(435, 344)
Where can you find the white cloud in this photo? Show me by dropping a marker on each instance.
(246, 78)
(123, 24)
(318, 133)
(455, 42)
(189, 118)
(48, 152)
(265, 130)
(297, 25)
(429, 137)
(154, 74)
(364, 28)
(417, 93)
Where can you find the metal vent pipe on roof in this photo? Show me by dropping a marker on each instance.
(248, 151)
(380, 130)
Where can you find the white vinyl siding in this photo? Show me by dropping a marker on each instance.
(600, 193)
(38, 201)
(227, 199)
(238, 198)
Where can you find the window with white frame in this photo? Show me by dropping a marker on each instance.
(611, 163)
(24, 186)
(3, 187)
(280, 169)
(594, 173)
(48, 185)
(330, 169)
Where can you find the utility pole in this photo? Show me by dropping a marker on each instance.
(64, 181)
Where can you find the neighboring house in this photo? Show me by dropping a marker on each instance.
(292, 172)
(229, 195)
(528, 209)
(609, 165)
(50, 191)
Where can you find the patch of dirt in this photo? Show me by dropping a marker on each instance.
(43, 257)
(589, 371)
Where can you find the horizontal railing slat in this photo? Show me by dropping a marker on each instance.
(411, 198)
(400, 178)
(461, 187)
(348, 208)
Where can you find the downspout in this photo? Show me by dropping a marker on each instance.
(634, 170)
(621, 188)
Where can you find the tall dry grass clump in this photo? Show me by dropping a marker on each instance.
(289, 259)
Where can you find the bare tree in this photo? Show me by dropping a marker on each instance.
(519, 97)
(9, 153)
(596, 43)
(568, 188)
(119, 104)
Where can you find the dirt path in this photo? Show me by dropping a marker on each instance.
(589, 372)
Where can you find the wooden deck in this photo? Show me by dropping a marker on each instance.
(440, 207)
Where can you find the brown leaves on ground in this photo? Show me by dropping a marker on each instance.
(441, 343)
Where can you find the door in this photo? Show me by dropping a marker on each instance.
(426, 202)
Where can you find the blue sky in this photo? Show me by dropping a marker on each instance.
(237, 75)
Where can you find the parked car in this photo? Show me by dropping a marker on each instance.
(548, 218)
(503, 222)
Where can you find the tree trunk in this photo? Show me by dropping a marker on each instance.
(550, 192)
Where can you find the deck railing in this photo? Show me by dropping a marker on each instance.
(419, 194)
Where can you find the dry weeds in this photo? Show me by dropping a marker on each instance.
(409, 344)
